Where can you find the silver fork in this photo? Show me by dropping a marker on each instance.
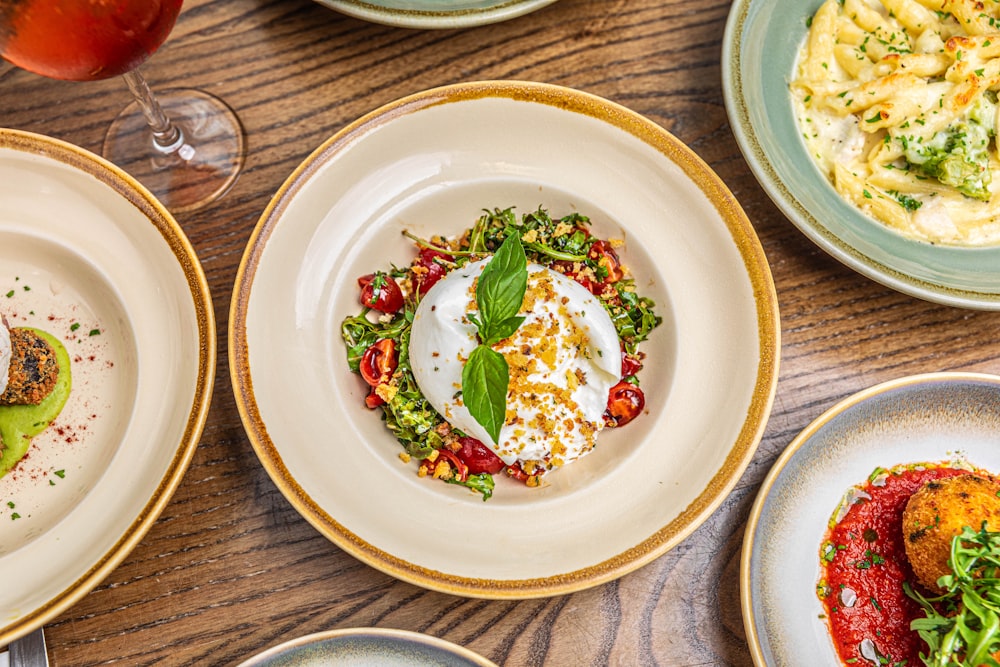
(29, 651)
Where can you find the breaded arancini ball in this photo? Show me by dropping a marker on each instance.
(937, 512)
(34, 369)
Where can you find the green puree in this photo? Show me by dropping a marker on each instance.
(20, 423)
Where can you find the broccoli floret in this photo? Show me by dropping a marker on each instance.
(959, 155)
(984, 111)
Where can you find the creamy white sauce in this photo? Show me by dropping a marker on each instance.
(934, 221)
(563, 360)
(831, 139)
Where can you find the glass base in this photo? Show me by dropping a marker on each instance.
(195, 171)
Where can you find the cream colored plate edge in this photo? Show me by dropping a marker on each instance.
(94, 247)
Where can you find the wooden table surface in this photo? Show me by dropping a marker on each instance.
(230, 568)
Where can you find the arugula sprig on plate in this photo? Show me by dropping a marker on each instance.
(962, 626)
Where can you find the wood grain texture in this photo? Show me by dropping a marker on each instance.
(230, 568)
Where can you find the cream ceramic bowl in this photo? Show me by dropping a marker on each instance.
(435, 13)
(91, 257)
(760, 46)
(430, 163)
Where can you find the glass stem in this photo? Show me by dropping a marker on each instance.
(167, 137)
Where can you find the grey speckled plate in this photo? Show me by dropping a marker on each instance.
(373, 647)
(923, 418)
(435, 13)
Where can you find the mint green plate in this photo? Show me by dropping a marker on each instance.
(760, 44)
(435, 13)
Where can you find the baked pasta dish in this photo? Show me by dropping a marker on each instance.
(897, 102)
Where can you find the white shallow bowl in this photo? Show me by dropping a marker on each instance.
(426, 164)
(919, 419)
(81, 243)
(367, 646)
(760, 47)
(435, 13)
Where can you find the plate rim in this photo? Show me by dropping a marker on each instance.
(790, 451)
(740, 453)
(138, 196)
(435, 19)
(764, 173)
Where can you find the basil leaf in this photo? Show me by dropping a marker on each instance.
(501, 286)
(504, 329)
(484, 389)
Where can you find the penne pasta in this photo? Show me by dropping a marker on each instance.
(897, 102)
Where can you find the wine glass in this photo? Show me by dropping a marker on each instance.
(186, 146)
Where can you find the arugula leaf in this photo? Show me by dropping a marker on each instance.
(481, 482)
(359, 333)
(485, 377)
(962, 626)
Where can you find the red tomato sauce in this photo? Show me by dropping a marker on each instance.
(864, 566)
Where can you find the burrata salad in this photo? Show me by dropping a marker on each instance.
(506, 350)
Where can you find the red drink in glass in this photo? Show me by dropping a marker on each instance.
(83, 40)
(186, 146)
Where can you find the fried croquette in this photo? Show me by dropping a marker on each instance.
(937, 512)
(33, 370)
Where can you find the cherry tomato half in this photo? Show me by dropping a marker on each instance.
(373, 400)
(379, 362)
(459, 469)
(566, 268)
(631, 364)
(625, 402)
(515, 471)
(380, 292)
(425, 279)
(604, 254)
(478, 457)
